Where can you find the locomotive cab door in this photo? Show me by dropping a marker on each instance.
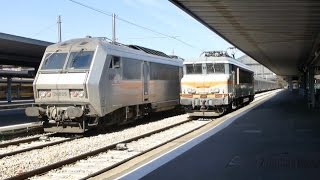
(145, 80)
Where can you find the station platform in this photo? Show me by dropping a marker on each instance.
(279, 139)
(16, 104)
(13, 113)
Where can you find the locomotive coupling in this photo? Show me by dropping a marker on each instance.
(35, 111)
(203, 106)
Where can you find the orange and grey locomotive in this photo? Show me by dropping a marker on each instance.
(215, 83)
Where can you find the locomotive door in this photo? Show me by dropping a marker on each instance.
(145, 71)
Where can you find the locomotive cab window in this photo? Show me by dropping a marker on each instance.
(215, 68)
(80, 60)
(115, 62)
(54, 61)
(193, 68)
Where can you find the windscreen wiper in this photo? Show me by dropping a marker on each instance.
(78, 53)
(50, 56)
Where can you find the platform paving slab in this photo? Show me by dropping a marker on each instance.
(279, 139)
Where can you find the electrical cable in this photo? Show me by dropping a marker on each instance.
(134, 24)
(43, 30)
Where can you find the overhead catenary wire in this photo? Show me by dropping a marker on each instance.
(44, 29)
(134, 24)
(148, 37)
(94, 9)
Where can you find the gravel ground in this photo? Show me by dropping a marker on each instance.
(93, 164)
(12, 165)
(39, 142)
(25, 137)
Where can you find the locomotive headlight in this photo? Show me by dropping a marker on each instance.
(81, 94)
(48, 94)
(44, 93)
(77, 93)
(216, 90)
(191, 91)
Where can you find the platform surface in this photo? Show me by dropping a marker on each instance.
(279, 139)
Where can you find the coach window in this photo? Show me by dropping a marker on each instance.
(115, 62)
(193, 68)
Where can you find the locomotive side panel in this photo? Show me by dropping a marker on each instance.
(96, 83)
(125, 82)
(164, 86)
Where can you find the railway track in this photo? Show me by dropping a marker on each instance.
(22, 140)
(32, 143)
(125, 146)
(22, 164)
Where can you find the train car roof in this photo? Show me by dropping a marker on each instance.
(134, 51)
(224, 59)
(128, 51)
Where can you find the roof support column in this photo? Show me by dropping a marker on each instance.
(304, 84)
(9, 92)
(311, 94)
(290, 83)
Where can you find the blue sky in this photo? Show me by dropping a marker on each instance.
(37, 19)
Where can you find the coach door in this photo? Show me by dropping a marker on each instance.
(145, 82)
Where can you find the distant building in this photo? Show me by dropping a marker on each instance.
(259, 70)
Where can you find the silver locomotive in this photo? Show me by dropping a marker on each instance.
(89, 82)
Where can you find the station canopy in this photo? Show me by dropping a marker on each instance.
(283, 35)
(21, 51)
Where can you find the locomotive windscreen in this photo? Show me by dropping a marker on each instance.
(54, 61)
(215, 68)
(80, 60)
(193, 68)
(76, 60)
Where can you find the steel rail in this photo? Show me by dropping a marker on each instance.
(59, 164)
(30, 139)
(141, 153)
(36, 147)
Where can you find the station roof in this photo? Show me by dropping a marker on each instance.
(280, 34)
(21, 51)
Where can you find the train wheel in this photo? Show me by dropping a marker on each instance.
(221, 111)
(251, 98)
(234, 105)
(229, 108)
